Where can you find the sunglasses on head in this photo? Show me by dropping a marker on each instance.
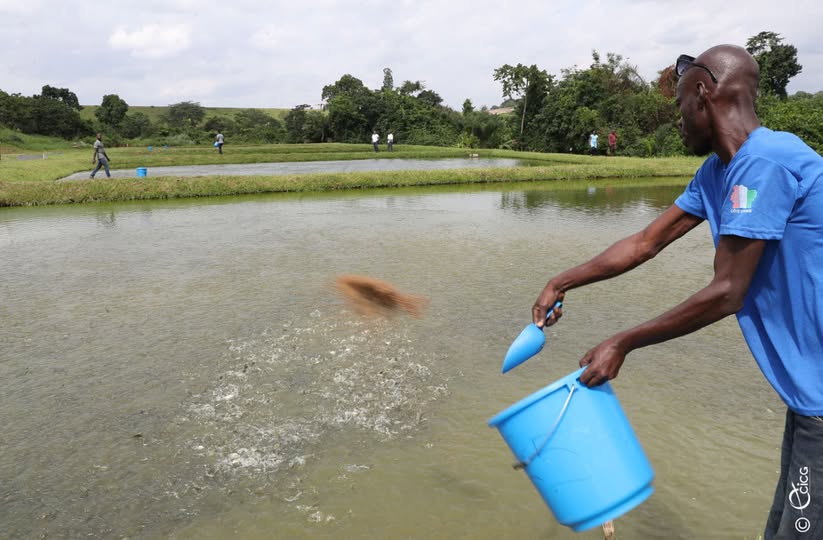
(684, 62)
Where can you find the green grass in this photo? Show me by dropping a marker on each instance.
(30, 194)
(13, 142)
(32, 182)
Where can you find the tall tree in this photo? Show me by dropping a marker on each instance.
(185, 114)
(53, 117)
(220, 123)
(777, 61)
(521, 81)
(388, 80)
(135, 125)
(295, 121)
(347, 84)
(15, 111)
(468, 108)
(54, 113)
(607, 95)
(315, 127)
(430, 97)
(256, 125)
(348, 120)
(64, 95)
(112, 110)
(353, 109)
(409, 88)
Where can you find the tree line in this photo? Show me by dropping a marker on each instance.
(550, 113)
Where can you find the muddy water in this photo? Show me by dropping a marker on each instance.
(184, 369)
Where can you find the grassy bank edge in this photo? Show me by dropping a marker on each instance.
(37, 193)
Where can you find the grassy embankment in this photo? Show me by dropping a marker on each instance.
(33, 182)
(156, 114)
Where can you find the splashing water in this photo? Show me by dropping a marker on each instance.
(280, 397)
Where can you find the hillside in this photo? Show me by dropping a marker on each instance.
(155, 114)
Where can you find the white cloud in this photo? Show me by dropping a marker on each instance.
(281, 53)
(20, 8)
(186, 89)
(272, 37)
(152, 40)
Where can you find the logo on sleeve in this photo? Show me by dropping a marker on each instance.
(742, 199)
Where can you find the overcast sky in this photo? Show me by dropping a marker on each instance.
(244, 53)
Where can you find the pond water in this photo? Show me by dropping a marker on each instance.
(308, 167)
(183, 369)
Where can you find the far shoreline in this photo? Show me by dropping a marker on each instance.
(34, 182)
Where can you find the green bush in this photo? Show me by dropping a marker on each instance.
(802, 116)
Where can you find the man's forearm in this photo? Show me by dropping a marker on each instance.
(705, 307)
(617, 259)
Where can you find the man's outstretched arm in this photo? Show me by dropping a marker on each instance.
(621, 257)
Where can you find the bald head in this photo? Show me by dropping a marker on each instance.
(736, 70)
(717, 101)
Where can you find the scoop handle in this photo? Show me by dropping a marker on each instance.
(556, 305)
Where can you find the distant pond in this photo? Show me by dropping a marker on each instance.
(308, 167)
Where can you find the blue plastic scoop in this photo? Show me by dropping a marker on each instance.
(528, 343)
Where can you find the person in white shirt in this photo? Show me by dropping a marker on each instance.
(375, 138)
(390, 141)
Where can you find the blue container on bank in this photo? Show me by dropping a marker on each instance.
(142, 172)
(579, 450)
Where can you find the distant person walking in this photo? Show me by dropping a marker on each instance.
(390, 141)
(612, 143)
(593, 143)
(375, 139)
(219, 140)
(100, 157)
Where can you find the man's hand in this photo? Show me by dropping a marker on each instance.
(547, 299)
(604, 362)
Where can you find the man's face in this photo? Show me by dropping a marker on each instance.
(694, 124)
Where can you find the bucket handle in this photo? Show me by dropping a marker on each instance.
(524, 464)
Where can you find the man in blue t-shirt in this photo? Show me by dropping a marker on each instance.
(762, 194)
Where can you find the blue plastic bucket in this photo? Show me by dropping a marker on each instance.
(142, 172)
(579, 451)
